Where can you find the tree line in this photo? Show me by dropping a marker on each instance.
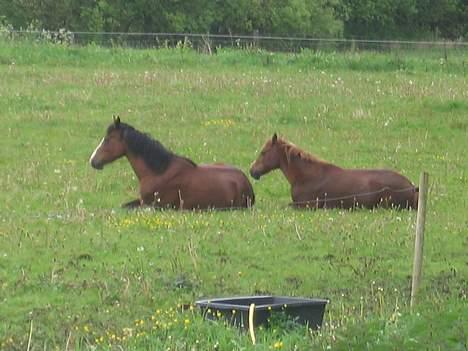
(361, 19)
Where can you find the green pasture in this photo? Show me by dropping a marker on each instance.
(79, 273)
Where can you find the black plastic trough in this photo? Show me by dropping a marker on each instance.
(235, 310)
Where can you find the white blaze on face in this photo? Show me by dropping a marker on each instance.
(95, 151)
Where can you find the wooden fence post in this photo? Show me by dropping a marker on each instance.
(256, 38)
(419, 240)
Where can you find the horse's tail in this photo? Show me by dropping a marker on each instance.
(247, 193)
(250, 195)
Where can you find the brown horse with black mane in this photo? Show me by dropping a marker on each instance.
(319, 184)
(168, 180)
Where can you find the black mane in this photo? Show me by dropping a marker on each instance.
(155, 155)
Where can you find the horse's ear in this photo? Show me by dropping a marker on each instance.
(274, 139)
(116, 121)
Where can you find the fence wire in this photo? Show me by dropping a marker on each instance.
(211, 42)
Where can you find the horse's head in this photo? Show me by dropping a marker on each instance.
(268, 160)
(111, 147)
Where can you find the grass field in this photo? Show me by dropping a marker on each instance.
(77, 272)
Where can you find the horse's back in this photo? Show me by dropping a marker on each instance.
(223, 184)
(223, 167)
(387, 176)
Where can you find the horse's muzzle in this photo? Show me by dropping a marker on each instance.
(96, 165)
(255, 175)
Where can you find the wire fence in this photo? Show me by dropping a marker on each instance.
(209, 43)
(357, 197)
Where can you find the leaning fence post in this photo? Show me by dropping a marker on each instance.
(419, 240)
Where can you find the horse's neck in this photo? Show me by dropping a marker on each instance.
(142, 170)
(139, 166)
(297, 170)
(181, 164)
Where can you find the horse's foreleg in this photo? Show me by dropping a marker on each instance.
(132, 204)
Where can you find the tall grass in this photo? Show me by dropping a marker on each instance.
(417, 60)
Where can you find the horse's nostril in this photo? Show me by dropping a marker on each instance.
(96, 165)
(255, 175)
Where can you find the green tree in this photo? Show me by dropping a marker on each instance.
(305, 17)
(443, 18)
(278, 17)
(237, 17)
(377, 19)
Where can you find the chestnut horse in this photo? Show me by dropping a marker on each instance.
(319, 184)
(168, 180)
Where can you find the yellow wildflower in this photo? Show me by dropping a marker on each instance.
(278, 345)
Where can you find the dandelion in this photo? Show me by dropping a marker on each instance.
(278, 345)
(226, 123)
(128, 332)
